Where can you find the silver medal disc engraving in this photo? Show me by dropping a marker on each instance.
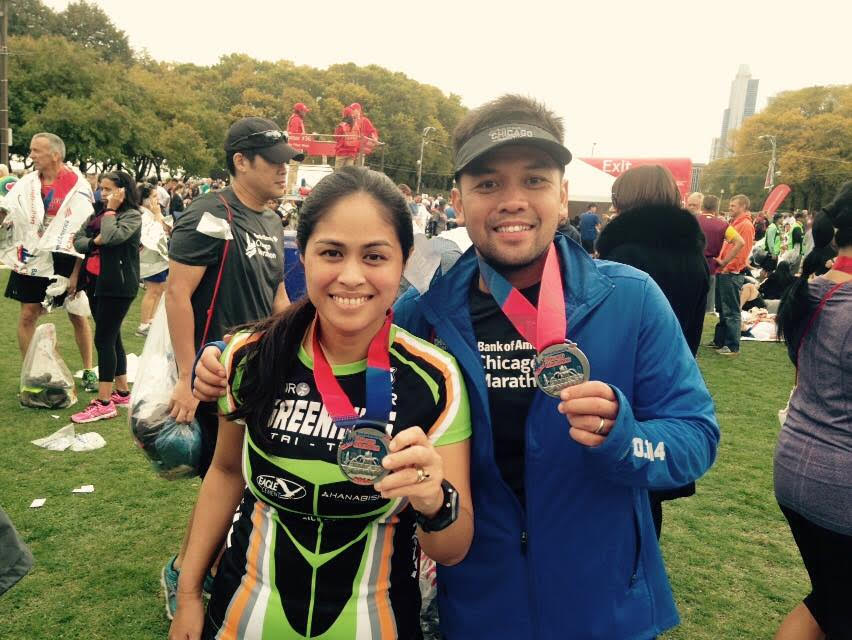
(559, 366)
(360, 453)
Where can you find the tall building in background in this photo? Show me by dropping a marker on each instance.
(741, 105)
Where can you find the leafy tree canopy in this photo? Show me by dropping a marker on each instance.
(813, 133)
(81, 22)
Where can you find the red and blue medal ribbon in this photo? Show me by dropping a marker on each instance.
(543, 326)
(379, 385)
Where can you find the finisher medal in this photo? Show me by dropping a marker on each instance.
(558, 363)
(559, 366)
(365, 441)
(360, 453)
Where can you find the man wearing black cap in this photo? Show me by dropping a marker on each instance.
(231, 244)
(565, 543)
(583, 396)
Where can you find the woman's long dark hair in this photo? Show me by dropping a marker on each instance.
(123, 180)
(269, 361)
(833, 223)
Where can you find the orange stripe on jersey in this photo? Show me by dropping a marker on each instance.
(242, 341)
(409, 344)
(231, 624)
(387, 627)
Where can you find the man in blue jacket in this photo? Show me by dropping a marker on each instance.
(564, 545)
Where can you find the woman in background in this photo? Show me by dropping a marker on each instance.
(154, 256)
(813, 460)
(110, 241)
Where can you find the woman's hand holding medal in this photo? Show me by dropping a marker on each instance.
(416, 472)
(591, 409)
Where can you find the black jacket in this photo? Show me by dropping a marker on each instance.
(121, 235)
(665, 242)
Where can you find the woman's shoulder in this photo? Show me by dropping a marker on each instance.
(654, 227)
(822, 285)
(131, 213)
(235, 350)
(419, 354)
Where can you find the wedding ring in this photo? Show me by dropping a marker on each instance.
(421, 475)
(599, 430)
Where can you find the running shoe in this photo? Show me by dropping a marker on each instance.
(95, 411)
(90, 381)
(725, 351)
(119, 400)
(169, 579)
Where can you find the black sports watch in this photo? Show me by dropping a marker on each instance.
(446, 515)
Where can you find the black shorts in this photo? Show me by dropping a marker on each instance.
(31, 289)
(207, 415)
(828, 559)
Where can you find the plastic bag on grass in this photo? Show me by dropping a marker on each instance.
(46, 381)
(172, 449)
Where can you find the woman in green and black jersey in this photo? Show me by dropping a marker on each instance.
(324, 542)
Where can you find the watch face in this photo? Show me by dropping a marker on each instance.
(360, 453)
(559, 366)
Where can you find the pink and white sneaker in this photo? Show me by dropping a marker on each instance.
(95, 411)
(119, 400)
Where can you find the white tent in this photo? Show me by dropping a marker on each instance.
(587, 184)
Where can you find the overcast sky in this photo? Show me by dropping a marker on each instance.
(645, 79)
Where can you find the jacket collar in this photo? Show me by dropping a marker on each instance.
(585, 286)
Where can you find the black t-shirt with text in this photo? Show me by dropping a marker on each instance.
(253, 268)
(508, 362)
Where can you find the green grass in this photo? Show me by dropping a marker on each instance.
(733, 564)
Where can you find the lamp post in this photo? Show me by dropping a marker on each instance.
(770, 172)
(420, 162)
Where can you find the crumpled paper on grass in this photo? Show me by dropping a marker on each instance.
(67, 438)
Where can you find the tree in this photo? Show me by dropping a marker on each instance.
(82, 22)
(153, 116)
(31, 18)
(813, 133)
(87, 24)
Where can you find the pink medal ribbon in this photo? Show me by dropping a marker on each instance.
(559, 363)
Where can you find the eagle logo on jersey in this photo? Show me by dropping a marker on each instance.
(280, 488)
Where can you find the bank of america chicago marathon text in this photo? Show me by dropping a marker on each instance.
(495, 364)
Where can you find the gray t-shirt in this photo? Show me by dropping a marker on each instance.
(253, 269)
(813, 461)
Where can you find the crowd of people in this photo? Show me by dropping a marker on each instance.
(541, 392)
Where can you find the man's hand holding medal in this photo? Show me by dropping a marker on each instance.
(591, 409)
